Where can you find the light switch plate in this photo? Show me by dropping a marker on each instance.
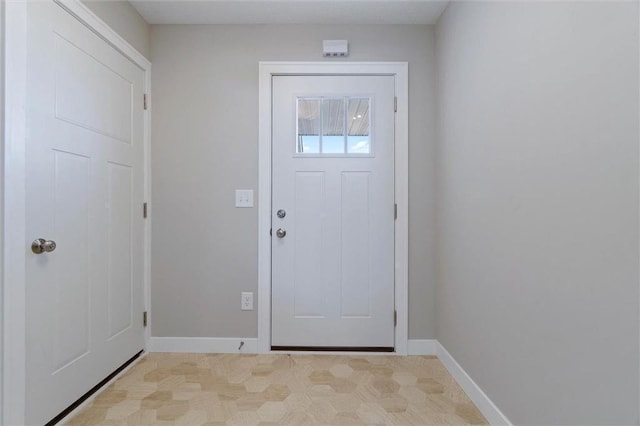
(244, 198)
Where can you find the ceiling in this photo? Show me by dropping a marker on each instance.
(290, 11)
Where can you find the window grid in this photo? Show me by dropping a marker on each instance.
(320, 121)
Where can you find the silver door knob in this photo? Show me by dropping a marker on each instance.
(281, 233)
(41, 245)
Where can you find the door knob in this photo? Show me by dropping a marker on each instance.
(281, 233)
(41, 245)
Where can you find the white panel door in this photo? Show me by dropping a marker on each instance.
(333, 212)
(84, 191)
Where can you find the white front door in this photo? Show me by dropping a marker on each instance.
(333, 212)
(84, 192)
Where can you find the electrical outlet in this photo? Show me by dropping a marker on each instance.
(246, 301)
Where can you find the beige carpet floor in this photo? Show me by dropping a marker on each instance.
(223, 389)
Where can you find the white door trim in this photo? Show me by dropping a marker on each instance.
(14, 236)
(400, 71)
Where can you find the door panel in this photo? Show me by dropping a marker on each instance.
(120, 285)
(82, 79)
(355, 283)
(71, 299)
(308, 277)
(84, 191)
(333, 173)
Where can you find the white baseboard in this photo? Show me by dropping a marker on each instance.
(488, 409)
(221, 345)
(421, 347)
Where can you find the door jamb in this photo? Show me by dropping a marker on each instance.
(400, 71)
(14, 208)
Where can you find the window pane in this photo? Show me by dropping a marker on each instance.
(309, 122)
(309, 144)
(336, 126)
(358, 145)
(333, 144)
(358, 139)
(333, 126)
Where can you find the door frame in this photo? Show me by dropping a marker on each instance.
(399, 70)
(14, 253)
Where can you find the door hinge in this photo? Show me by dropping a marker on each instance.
(395, 318)
(145, 101)
(144, 210)
(144, 319)
(395, 104)
(395, 211)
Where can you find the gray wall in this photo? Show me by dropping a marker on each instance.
(125, 20)
(537, 294)
(205, 145)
